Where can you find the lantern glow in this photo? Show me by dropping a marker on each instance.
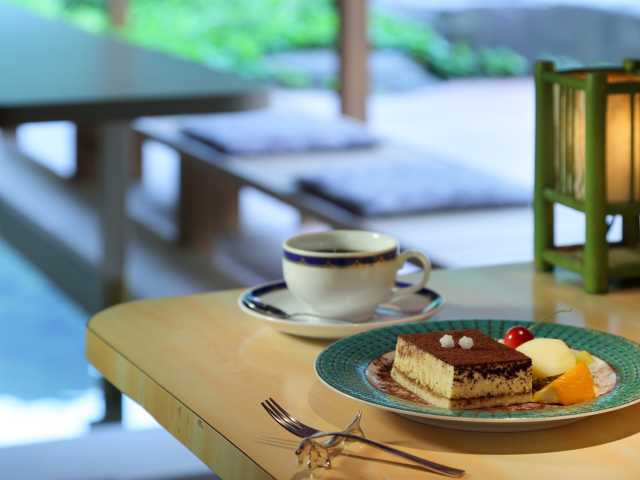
(588, 158)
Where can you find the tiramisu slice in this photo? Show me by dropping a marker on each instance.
(462, 369)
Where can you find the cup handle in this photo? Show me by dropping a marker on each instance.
(420, 284)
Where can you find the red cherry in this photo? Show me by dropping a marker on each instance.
(516, 336)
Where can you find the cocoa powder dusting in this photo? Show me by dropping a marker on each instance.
(485, 349)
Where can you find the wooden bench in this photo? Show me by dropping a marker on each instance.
(210, 181)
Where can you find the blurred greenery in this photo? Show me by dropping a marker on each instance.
(235, 35)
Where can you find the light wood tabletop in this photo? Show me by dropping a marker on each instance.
(201, 367)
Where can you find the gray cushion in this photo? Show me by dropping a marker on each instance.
(411, 186)
(268, 132)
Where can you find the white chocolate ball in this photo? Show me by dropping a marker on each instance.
(446, 341)
(466, 342)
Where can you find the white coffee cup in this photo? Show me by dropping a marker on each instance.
(346, 274)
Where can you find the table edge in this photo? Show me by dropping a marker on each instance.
(220, 454)
(105, 110)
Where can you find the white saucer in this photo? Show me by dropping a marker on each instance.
(418, 306)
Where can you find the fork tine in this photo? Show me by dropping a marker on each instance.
(274, 413)
(278, 413)
(275, 416)
(303, 430)
(291, 418)
(283, 423)
(300, 428)
(276, 406)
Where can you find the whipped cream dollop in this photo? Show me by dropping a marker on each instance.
(446, 341)
(465, 342)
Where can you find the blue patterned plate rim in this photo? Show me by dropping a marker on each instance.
(342, 367)
(251, 296)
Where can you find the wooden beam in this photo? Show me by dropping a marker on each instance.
(353, 50)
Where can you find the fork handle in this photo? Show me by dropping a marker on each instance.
(431, 466)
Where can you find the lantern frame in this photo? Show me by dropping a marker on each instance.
(597, 261)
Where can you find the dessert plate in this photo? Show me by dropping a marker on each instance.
(418, 306)
(344, 367)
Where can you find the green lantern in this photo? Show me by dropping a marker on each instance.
(588, 158)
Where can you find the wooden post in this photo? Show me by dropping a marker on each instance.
(596, 249)
(87, 148)
(544, 137)
(353, 51)
(118, 11)
(207, 205)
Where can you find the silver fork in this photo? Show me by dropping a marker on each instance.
(299, 429)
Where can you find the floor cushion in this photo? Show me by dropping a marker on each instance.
(412, 186)
(268, 132)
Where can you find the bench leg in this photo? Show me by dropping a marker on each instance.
(87, 144)
(136, 156)
(8, 134)
(207, 205)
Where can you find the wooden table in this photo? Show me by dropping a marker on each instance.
(200, 367)
(52, 71)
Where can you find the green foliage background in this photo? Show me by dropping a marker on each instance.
(236, 34)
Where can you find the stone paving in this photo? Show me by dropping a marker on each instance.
(444, 5)
(569, 31)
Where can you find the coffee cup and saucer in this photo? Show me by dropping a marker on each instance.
(341, 282)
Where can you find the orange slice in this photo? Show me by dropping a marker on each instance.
(575, 386)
